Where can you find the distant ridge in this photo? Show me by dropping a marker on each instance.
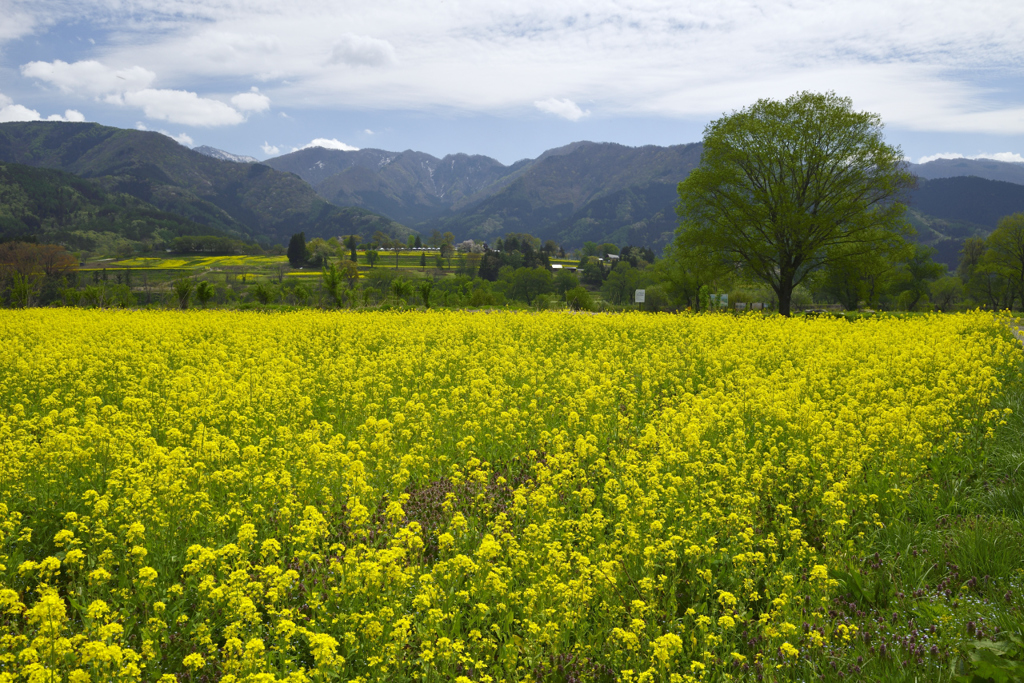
(225, 156)
(989, 169)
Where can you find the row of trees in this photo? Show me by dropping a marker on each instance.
(31, 273)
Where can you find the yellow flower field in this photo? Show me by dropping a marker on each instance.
(456, 496)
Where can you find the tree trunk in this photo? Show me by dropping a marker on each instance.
(785, 293)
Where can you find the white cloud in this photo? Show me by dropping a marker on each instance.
(566, 108)
(89, 77)
(181, 106)
(10, 112)
(998, 156)
(181, 138)
(17, 112)
(362, 51)
(330, 144)
(70, 115)
(130, 87)
(270, 149)
(17, 24)
(251, 101)
(368, 132)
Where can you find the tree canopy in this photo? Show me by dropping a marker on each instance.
(785, 188)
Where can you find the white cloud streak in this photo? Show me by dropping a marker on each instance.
(919, 69)
(567, 109)
(1012, 157)
(88, 77)
(270, 149)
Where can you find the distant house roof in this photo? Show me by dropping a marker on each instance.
(556, 266)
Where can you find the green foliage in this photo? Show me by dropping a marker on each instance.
(564, 281)
(263, 292)
(785, 188)
(524, 284)
(297, 250)
(204, 292)
(915, 275)
(622, 283)
(53, 206)
(704, 298)
(1005, 254)
(332, 279)
(183, 289)
(579, 299)
(401, 288)
(593, 272)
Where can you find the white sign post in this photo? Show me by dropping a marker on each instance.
(638, 296)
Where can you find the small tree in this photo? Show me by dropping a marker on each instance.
(331, 279)
(263, 292)
(350, 271)
(183, 288)
(401, 288)
(204, 292)
(372, 256)
(425, 289)
(297, 250)
(423, 260)
(578, 299)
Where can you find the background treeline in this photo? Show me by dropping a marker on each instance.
(519, 270)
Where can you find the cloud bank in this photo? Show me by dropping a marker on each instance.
(131, 87)
(950, 68)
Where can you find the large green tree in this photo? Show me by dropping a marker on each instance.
(786, 188)
(1006, 251)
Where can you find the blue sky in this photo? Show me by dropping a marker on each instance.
(510, 79)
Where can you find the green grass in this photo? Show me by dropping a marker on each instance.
(943, 586)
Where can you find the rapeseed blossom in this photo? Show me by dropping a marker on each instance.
(455, 496)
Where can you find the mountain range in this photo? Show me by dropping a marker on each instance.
(572, 194)
(249, 201)
(585, 191)
(605, 192)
